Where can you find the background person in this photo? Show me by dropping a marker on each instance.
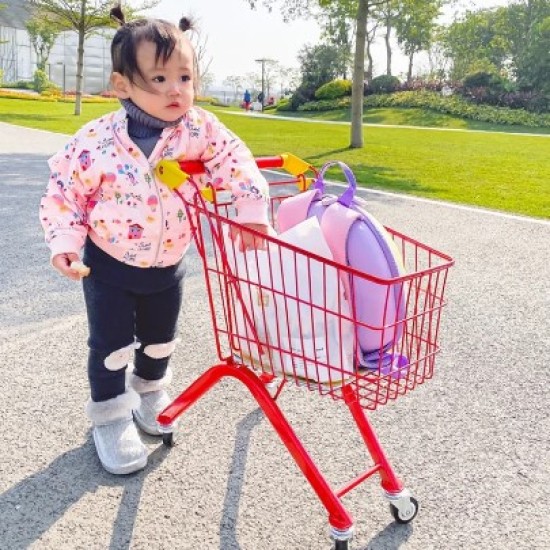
(246, 100)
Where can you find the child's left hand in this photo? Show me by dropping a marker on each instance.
(246, 240)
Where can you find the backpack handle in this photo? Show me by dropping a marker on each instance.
(346, 198)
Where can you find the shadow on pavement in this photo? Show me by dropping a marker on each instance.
(32, 506)
(230, 514)
(391, 537)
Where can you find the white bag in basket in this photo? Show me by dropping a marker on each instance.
(296, 304)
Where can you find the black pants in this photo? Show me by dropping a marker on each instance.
(117, 317)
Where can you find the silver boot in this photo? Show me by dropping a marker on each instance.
(153, 400)
(116, 438)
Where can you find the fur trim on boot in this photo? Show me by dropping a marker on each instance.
(105, 412)
(154, 399)
(116, 438)
(140, 385)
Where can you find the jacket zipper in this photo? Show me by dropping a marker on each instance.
(154, 154)
(161, 208)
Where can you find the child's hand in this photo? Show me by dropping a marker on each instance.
(248, 241)
(62, 262)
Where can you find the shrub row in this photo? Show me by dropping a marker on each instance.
(53, 96)
(451, 105)
(334, 89)
(481, 87)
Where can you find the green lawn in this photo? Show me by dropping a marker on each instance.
(415, 117)
(504, 171)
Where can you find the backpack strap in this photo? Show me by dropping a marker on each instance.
(335, 224)
(294, 210)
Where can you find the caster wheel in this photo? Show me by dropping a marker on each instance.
(168, 439)
(406, 513)
(341, 545)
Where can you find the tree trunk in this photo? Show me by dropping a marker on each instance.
(410, 70)
(358, 76)
(370, 65)
(388, 49)
(80, 60)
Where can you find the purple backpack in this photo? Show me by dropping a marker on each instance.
(358, 240)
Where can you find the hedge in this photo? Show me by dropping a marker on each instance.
(450, 105)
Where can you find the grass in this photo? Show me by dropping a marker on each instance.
(53, 116)
(414, 117)
(502, 171)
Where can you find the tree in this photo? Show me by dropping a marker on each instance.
(336, 23)
(525, 29)
(2, 7)
(533, 68)
(43, 36)
(386, 15)
(358, 83)
(236, 83)
(203, 60)
(470, 43)
(289, 79)
(319, 64)
(415, 26)
(271, 74)
(370, 37)
(514, 40)
(82, 16)
(362, 9)
(293, 8)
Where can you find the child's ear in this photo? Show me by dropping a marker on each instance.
(121, 85)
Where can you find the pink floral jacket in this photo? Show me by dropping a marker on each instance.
(102, 185)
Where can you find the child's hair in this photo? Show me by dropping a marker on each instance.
(163, 34)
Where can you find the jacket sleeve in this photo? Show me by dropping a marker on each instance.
(63, 205)
(230, 164)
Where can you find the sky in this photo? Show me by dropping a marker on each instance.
(236, 35)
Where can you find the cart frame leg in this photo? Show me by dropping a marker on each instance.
(339, 519)
(389, 481)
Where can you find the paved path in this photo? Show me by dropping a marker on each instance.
(472, 444)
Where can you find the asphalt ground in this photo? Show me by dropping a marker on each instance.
(472, 444)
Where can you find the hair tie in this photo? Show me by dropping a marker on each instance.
(185, 24)
(117, 14)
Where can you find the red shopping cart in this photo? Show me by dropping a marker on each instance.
(255, 305)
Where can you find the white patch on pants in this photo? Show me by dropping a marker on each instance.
(159, 351)
(119, 358)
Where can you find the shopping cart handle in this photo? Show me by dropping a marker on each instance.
(291, 163)
(174, 173)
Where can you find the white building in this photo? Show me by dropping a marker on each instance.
(18, 59)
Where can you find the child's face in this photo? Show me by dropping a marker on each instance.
(167, 91)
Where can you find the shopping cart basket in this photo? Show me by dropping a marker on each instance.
(242, 295)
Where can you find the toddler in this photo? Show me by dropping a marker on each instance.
(103, 199)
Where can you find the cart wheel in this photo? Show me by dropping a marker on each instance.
(341, 545)
(405, 514)
(168, 439)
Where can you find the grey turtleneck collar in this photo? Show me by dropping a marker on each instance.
(143, 125)
(144, 129)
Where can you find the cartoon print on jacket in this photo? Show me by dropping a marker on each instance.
(135, 231)
(85, 160)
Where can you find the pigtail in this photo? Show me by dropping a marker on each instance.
(185, 24)
(117, 15)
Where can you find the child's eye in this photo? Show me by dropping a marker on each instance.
(185, 78)
(158, 79)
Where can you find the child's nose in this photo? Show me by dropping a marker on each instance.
(175, 88)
